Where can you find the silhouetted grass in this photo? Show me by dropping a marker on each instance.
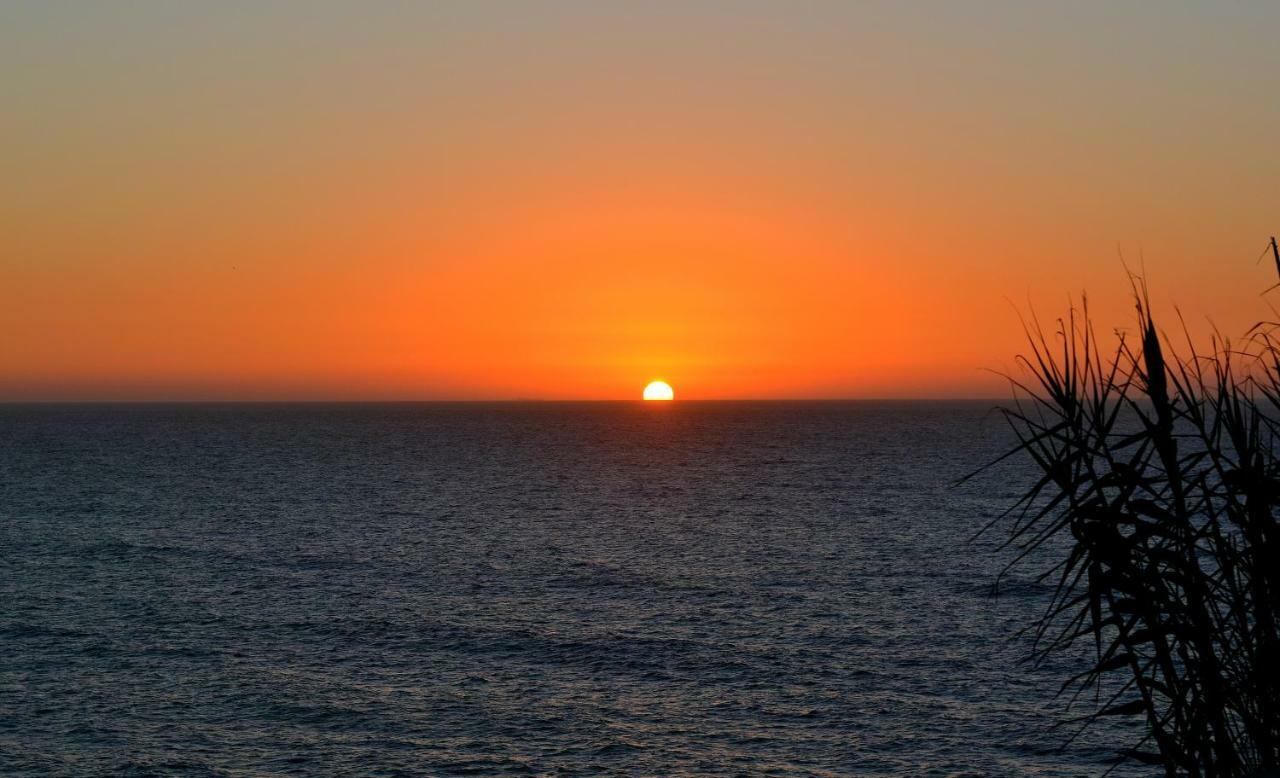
(1158, 468)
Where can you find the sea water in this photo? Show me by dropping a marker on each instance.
(526, 588)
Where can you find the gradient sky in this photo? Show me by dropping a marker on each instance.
(566, 199)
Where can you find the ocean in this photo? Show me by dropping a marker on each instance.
(683, 589)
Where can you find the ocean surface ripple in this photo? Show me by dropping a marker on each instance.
(526, 589)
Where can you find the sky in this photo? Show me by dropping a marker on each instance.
(565, 200)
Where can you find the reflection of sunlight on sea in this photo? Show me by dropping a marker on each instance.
(515, 588)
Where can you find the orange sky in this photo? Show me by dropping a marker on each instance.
(475, 201)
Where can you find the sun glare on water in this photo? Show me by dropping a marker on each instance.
(659, 390)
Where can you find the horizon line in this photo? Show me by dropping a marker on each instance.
(492, 401)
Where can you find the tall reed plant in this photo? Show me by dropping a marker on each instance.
(1158, 481)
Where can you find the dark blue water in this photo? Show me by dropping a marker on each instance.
(540, 589)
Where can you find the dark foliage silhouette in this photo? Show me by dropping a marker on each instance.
(1155, 504)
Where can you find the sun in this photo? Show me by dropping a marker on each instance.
(659, 390)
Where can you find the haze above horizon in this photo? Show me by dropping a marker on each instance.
(461, 201)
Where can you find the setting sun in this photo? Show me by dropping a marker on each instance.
(659, 390)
